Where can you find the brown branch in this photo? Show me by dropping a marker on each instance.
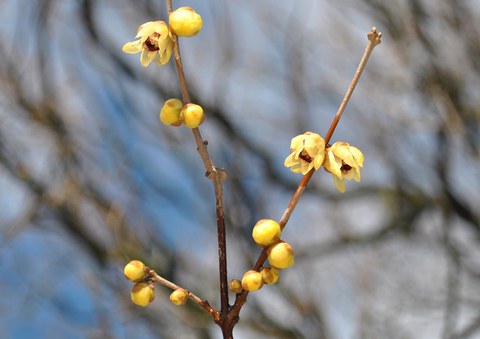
(153, 276)
(374, 38)
(217, 176)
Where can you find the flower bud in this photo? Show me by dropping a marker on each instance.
(179, 297)
(281, 255)
(170, 112)
(142, 294)
(269, 275)
(192, 115)
(266, 232)
(185, 22)
(235, 286)
(135, 271)
(252, 281)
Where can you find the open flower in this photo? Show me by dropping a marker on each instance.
(307, 151)
(154, 42)
(344, 162)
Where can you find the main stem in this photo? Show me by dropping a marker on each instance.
(216, 176)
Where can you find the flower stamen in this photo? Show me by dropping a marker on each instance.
(305, 156)
(345, 168)
(151, 45)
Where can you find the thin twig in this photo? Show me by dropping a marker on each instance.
(217, 176)
(374, 38)
(153, 276)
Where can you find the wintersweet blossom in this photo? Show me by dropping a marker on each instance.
(154, 41)
(307, 151)
(344, 162)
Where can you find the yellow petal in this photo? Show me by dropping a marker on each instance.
(318, 160)
(339, 183)
(297, 142)
(151, 27)
(290, 160)
(147, 57)
(358, 155)
(305, 166)
(353, 173)
(310, 166)
(296, 168)
(350, 174)
(356, 174)
(166, 54)
(330, 163)
(342, 150)
(132, 47)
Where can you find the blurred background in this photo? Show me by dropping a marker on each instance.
(90, 179)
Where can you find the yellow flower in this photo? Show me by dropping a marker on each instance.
(154, 42)
(344, 162)
(307, 151)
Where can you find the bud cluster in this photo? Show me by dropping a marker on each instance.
(266, 233)
(175, 113)
(143, 292)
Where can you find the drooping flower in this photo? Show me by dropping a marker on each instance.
(154, 41)
(307, 151)
(344, 162)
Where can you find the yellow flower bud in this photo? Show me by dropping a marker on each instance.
(252, 281)
(142, 294)
(235, 286)
(170, 112)
(192, 115)
(179, 297)
(281, 255)
(266, 232)
(185, 22)
(135, 271)
(269, 275)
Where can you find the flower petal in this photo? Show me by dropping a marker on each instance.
(358, 155)
(132, 47)
(356, 174)
(290, 160)
(331, 165)
(151, 27)
(147, 57)
(297, 142)
(339, 183)
(305, 166)
(166, 54)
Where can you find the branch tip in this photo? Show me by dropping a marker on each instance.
(374, 36)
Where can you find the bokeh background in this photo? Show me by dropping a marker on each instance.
(90, 179)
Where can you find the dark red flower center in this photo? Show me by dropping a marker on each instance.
(151, 45)
(345, 168)
(305, 156)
